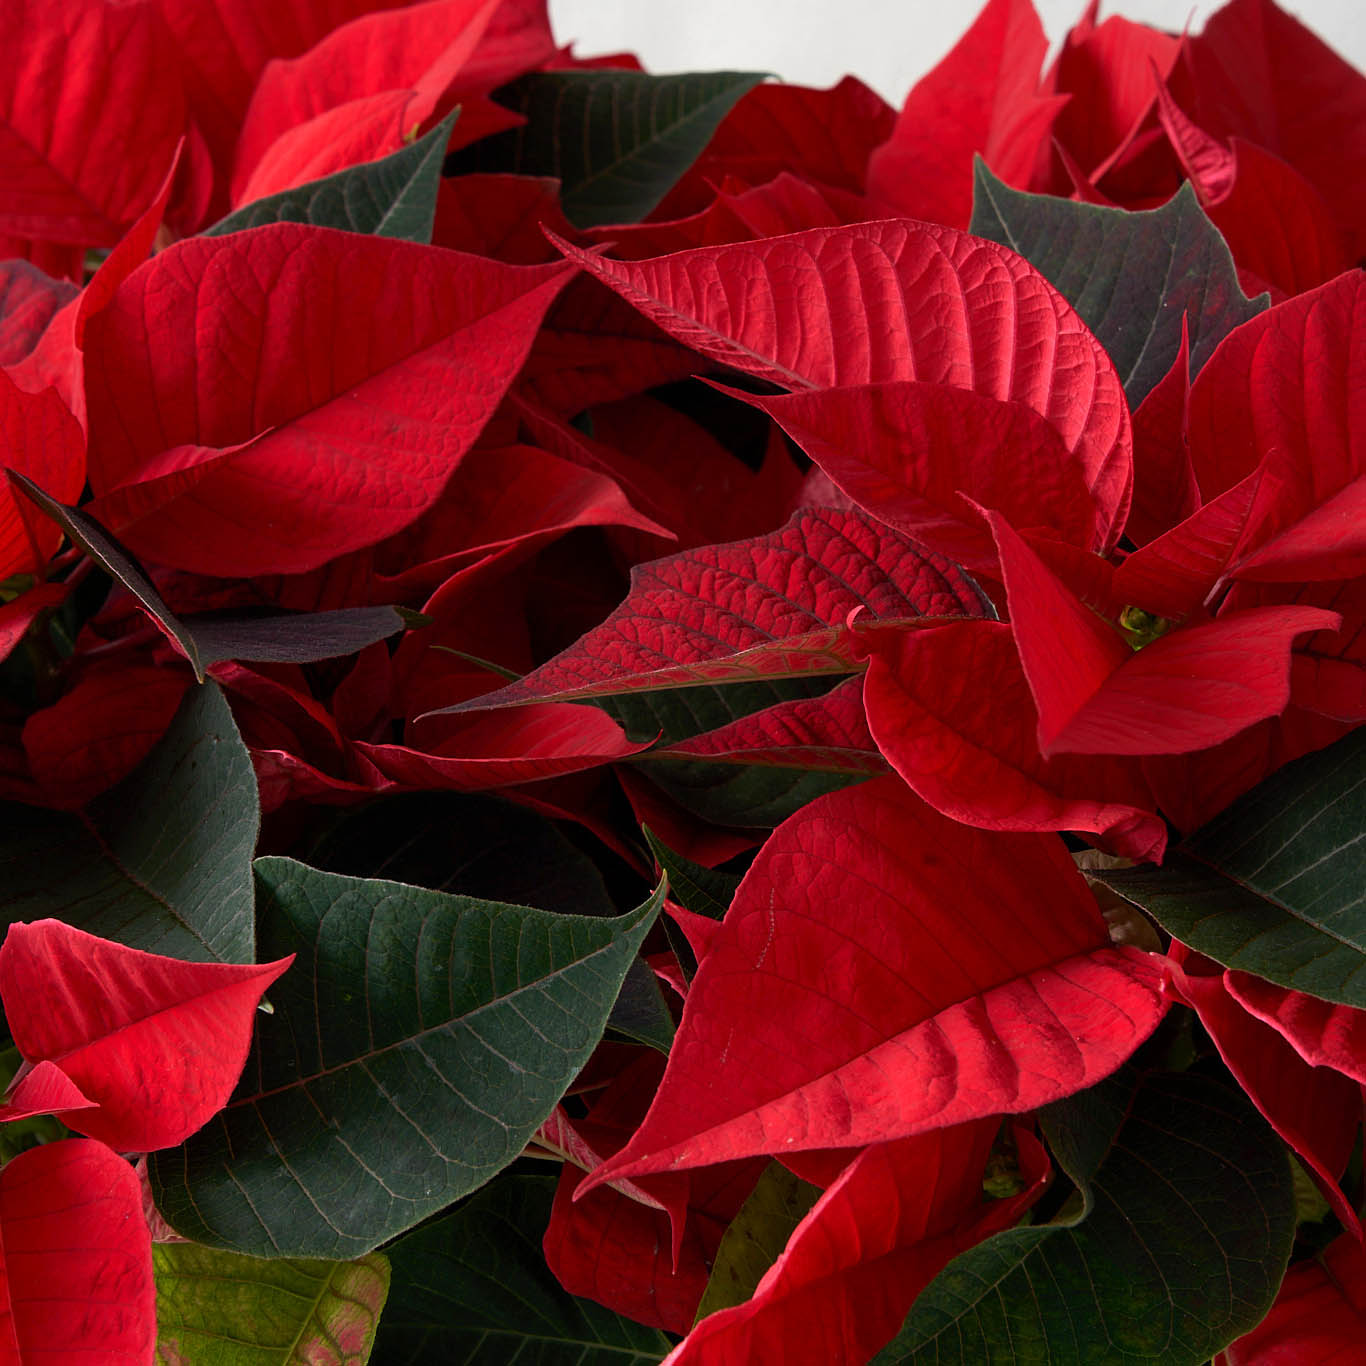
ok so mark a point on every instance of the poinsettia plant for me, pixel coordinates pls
(678, 717)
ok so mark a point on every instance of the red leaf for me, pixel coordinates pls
(1323, 1034)
(952, 712)
(846, 1280)
(322, 467)
(778, 602)
(1319, 1318)
(1291, 382)
(898, 300)
(1165, 491)
(77, 1258)
(17, 616)
(42, 440)
(499, 216)
(390, 50)
(157, 1043)
(1185, 691)
(1261, 75)
(98, 732)
(983, 97)
(29, 300)
(906, 452)
(91, 111)
(882, 972)
(42, 1090)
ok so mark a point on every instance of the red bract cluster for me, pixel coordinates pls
(799, 662)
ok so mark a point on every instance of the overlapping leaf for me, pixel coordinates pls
(898, 300)
(616, 140)
(420, 1042)
(476, 1282)
(190, 435)
(161, 864)
(219, 1308)
(392, 197)
(1133, 277)
(1273, 886)
(938, 991)
(1168, 1268)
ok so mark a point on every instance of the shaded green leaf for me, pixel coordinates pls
(160, 863)
(756, 1237)
(1273, 885)
(707, 891)
(748, 795)
(290, 637)
(417, 1044)
(1179, 1248)
(218, 1308)
(473, 1289)
(617, 140)
(1131, 276)
(392, 197)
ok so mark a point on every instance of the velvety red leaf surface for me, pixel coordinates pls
(77, 1262)
(1291, 382)
(882, 972)
(91, 111)
(951, 710)
(982, 98)
(269, 445)
(847, 1278)
(716, 602)
(1323, 1034)
(156, 1042)
(44, 441)
(897, 300)
(1319, 1318)
(42, 1090)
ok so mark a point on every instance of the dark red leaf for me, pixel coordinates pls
(269, 445)
(1165, 491)
(77, 1260)
(882, 972)
(157, 1043)
(29, 299)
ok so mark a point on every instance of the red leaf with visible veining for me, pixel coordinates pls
(500, 216)
(884, 971)
(1323, 1034)
(773, 605)
(898, 300)
(285, 362)
(91, 111)
(1292, 382)
(157, 1043)
(982, 98)
(951, 710)
(40, 438)
(29, 299)
(1315, 1109)
(1165, 491)
(42, 1090)
(882, 1231)
(76, 1266)
(1319, 1318)
(910, 453)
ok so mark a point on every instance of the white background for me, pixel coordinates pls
(887, 43)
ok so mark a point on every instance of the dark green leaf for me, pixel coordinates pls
(473, 1289)
(416, 1045)
(1179, 1248)
(707, 891)
(1131, 276)
(290, 637)
(392, 197)
(756, 1237)
(217, 1308)
(617, 140)
(640, 1012)
(1273, 885)
(160, 863)
(747, 795)
(92, 538)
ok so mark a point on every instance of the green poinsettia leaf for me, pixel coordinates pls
(1273, 885)
(392, 197)
(162, 862)
(473, 1289)
(1131, 276)
(217, 1308)
(418, 1042)
(616, 140)
(1178, 1245)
